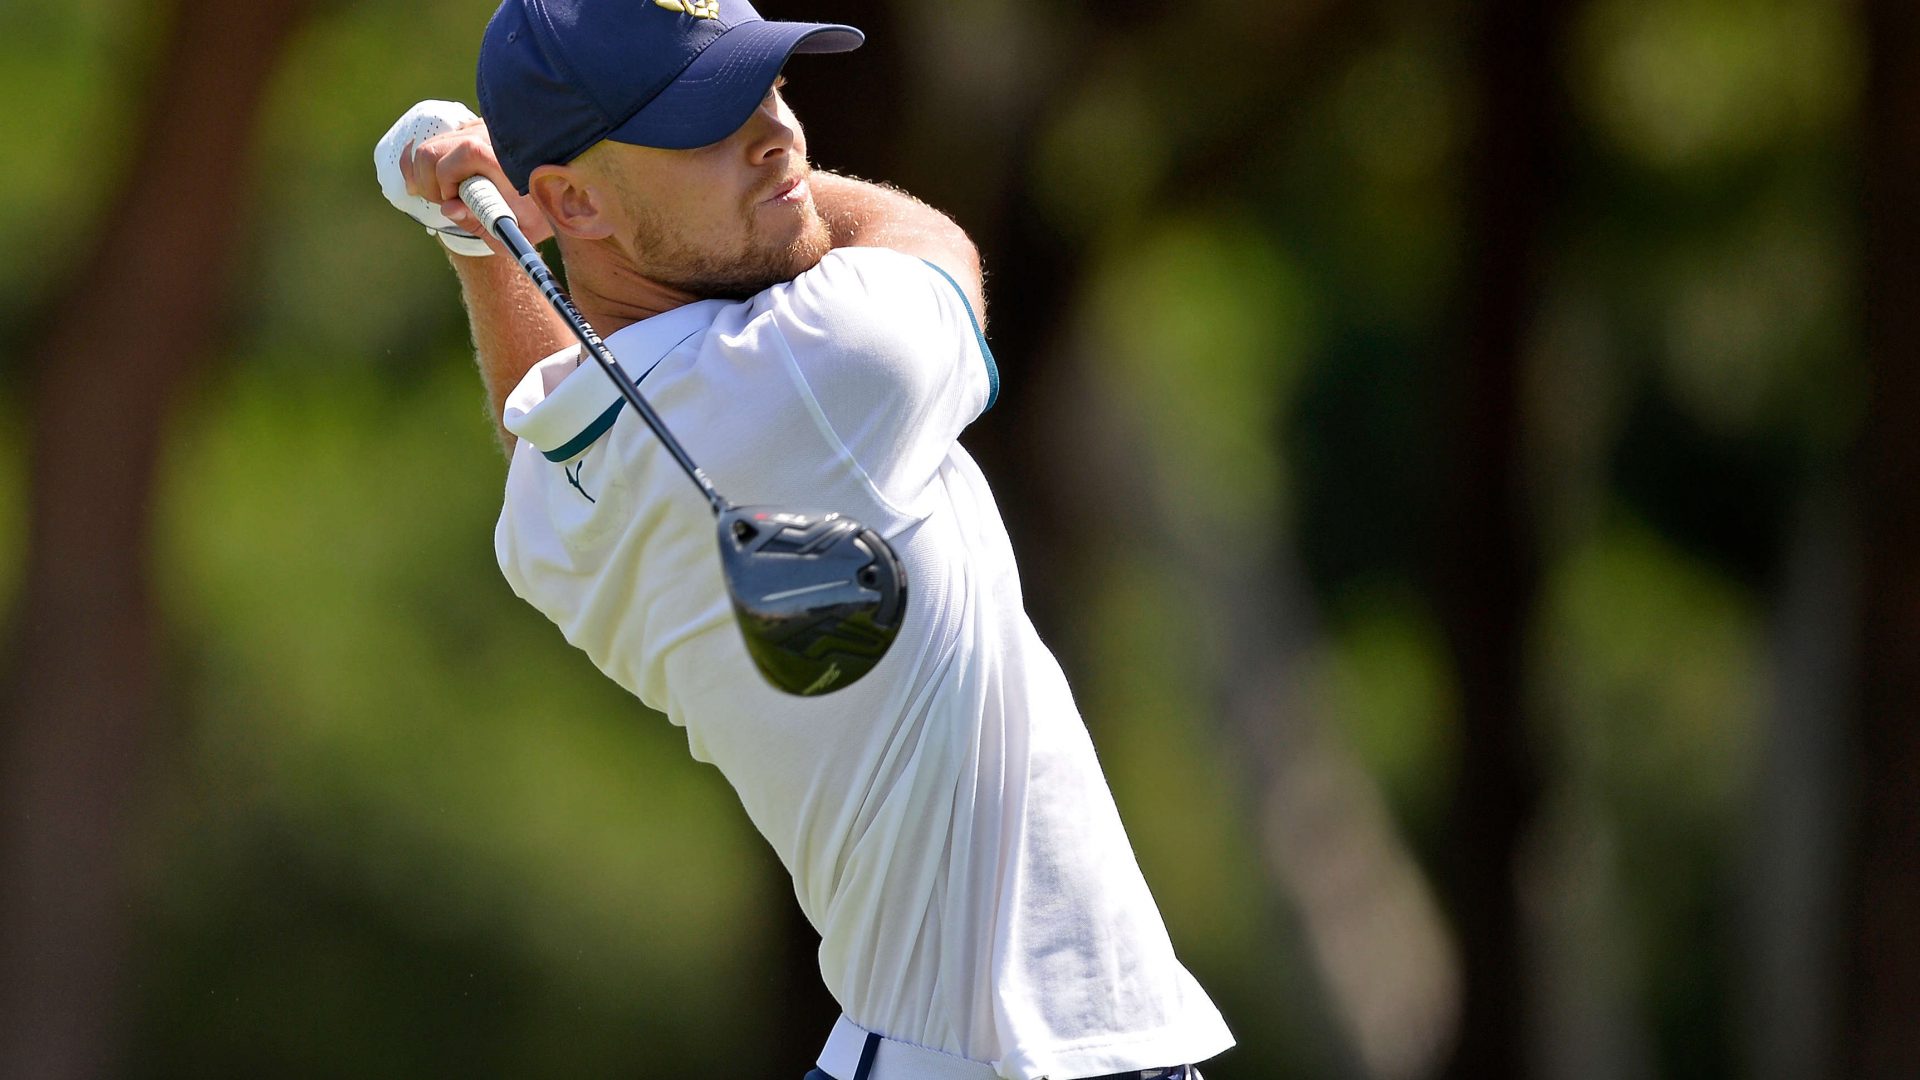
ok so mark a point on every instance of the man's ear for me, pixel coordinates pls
(573, 200)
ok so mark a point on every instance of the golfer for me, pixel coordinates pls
(816, 342)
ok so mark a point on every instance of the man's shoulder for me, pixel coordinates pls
(868, 274)
(874, 295)
(880, 259)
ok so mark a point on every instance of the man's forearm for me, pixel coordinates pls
(860, 213)
(863, 214)
(513, 328)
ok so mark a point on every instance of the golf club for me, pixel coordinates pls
(818, 596)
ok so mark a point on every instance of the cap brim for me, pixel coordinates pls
(720, 89)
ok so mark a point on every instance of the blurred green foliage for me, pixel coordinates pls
(382, 740)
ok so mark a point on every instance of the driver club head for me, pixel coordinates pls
(819, 597)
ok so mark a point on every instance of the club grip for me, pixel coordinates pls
(486, 203)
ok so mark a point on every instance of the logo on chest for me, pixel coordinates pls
(573, 477)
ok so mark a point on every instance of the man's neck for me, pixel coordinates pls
(612, 295)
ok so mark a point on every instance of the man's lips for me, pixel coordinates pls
(788, 193)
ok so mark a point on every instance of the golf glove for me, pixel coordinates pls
(422, 122)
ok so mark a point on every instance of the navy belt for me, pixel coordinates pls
(853, 1053)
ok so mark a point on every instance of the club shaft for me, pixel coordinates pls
(508, 230)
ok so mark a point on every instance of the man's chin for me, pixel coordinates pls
(812, 245)
(745, 279)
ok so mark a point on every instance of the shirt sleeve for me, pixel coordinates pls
(893, 355)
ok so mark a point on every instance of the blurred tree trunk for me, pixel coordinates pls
(1036, 267)
(1882, 1003)
(1788, 898)
(80, 706)
(1487, 574)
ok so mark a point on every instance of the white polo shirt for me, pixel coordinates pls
(947, 826)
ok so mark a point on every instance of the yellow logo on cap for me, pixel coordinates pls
(699, 9)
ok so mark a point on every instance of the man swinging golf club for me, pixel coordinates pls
(814, 341)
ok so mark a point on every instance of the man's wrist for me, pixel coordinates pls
(462, 244)
(486, 278)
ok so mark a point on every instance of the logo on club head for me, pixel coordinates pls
(699, 9)
(827, 678)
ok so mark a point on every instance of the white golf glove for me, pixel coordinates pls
(423, 121)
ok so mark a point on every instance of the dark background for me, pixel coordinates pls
(1462, 453)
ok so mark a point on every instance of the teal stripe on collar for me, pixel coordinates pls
(580, 442)
(993, 369)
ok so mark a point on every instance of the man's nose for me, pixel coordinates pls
(776, 137)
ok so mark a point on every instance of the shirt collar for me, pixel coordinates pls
(561, 409)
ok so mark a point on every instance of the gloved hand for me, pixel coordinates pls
(418, 124)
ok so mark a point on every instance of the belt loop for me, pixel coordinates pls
(866, 1056)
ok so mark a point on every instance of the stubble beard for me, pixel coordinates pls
(761, 261)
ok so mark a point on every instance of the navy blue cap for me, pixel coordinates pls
(557, 76)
